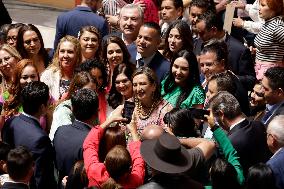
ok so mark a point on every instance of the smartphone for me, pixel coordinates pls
(128, 110)
(199, 113)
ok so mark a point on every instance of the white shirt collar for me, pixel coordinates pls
(276, 152)
(30, 116)
(146, 60)
(232, 126)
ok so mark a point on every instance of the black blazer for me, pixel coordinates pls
(239, 59)
(68, 143)
(241, 94)
(12, 185)
(160, 65)
(249, 140)
(25, 131)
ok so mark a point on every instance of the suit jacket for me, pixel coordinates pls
(70, 23)
(278, 111)
(249, 139)
(25, 131)
(276, 163)
(160, 65)
(241, 94)
(239, 59)
(68, 143)
(12, 185)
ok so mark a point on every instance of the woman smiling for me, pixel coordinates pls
(114, 53)
(30, 45)
(90, 41)
(182, 87)
(121, 89)
(61, 71)
(150, 108)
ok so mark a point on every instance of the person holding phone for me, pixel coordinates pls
(181, 87)
(150, 107)
(118, 169)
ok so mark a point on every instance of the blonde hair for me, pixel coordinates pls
(55, 65)
(11, 50)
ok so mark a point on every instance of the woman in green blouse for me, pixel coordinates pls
(181, 87)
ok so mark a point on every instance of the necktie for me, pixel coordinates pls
(140, 62)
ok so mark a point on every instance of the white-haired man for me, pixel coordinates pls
(275, 141)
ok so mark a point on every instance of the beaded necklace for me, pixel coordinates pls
(145, 114)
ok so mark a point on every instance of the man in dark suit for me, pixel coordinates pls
(25, 130)
(20, 167)
(70, 23)
(273, 90)
(68, 139)
(210, 27)
(247, 137)
(130, 20)
(275, 141)
(213, 59)
(148, 55)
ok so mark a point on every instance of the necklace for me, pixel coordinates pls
(145, 114)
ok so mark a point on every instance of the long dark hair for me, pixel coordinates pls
(191, 81)
(20, 43)
(181, 122)
(115, 98)
(121, 44)
(88, 65)
(185, 34)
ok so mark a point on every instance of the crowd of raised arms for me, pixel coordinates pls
(149, 94)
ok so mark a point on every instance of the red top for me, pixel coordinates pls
(96, 171)
(151, 11)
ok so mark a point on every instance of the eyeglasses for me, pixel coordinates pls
(13, 38)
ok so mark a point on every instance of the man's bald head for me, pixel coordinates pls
(152, 132)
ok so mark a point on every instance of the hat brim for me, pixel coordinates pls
(179, 164)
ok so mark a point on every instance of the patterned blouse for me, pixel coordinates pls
(155, 118)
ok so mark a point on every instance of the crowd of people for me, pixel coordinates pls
(208, 104)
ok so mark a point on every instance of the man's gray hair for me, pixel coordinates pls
(133, 6)
(276, 128)
(227, 103)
